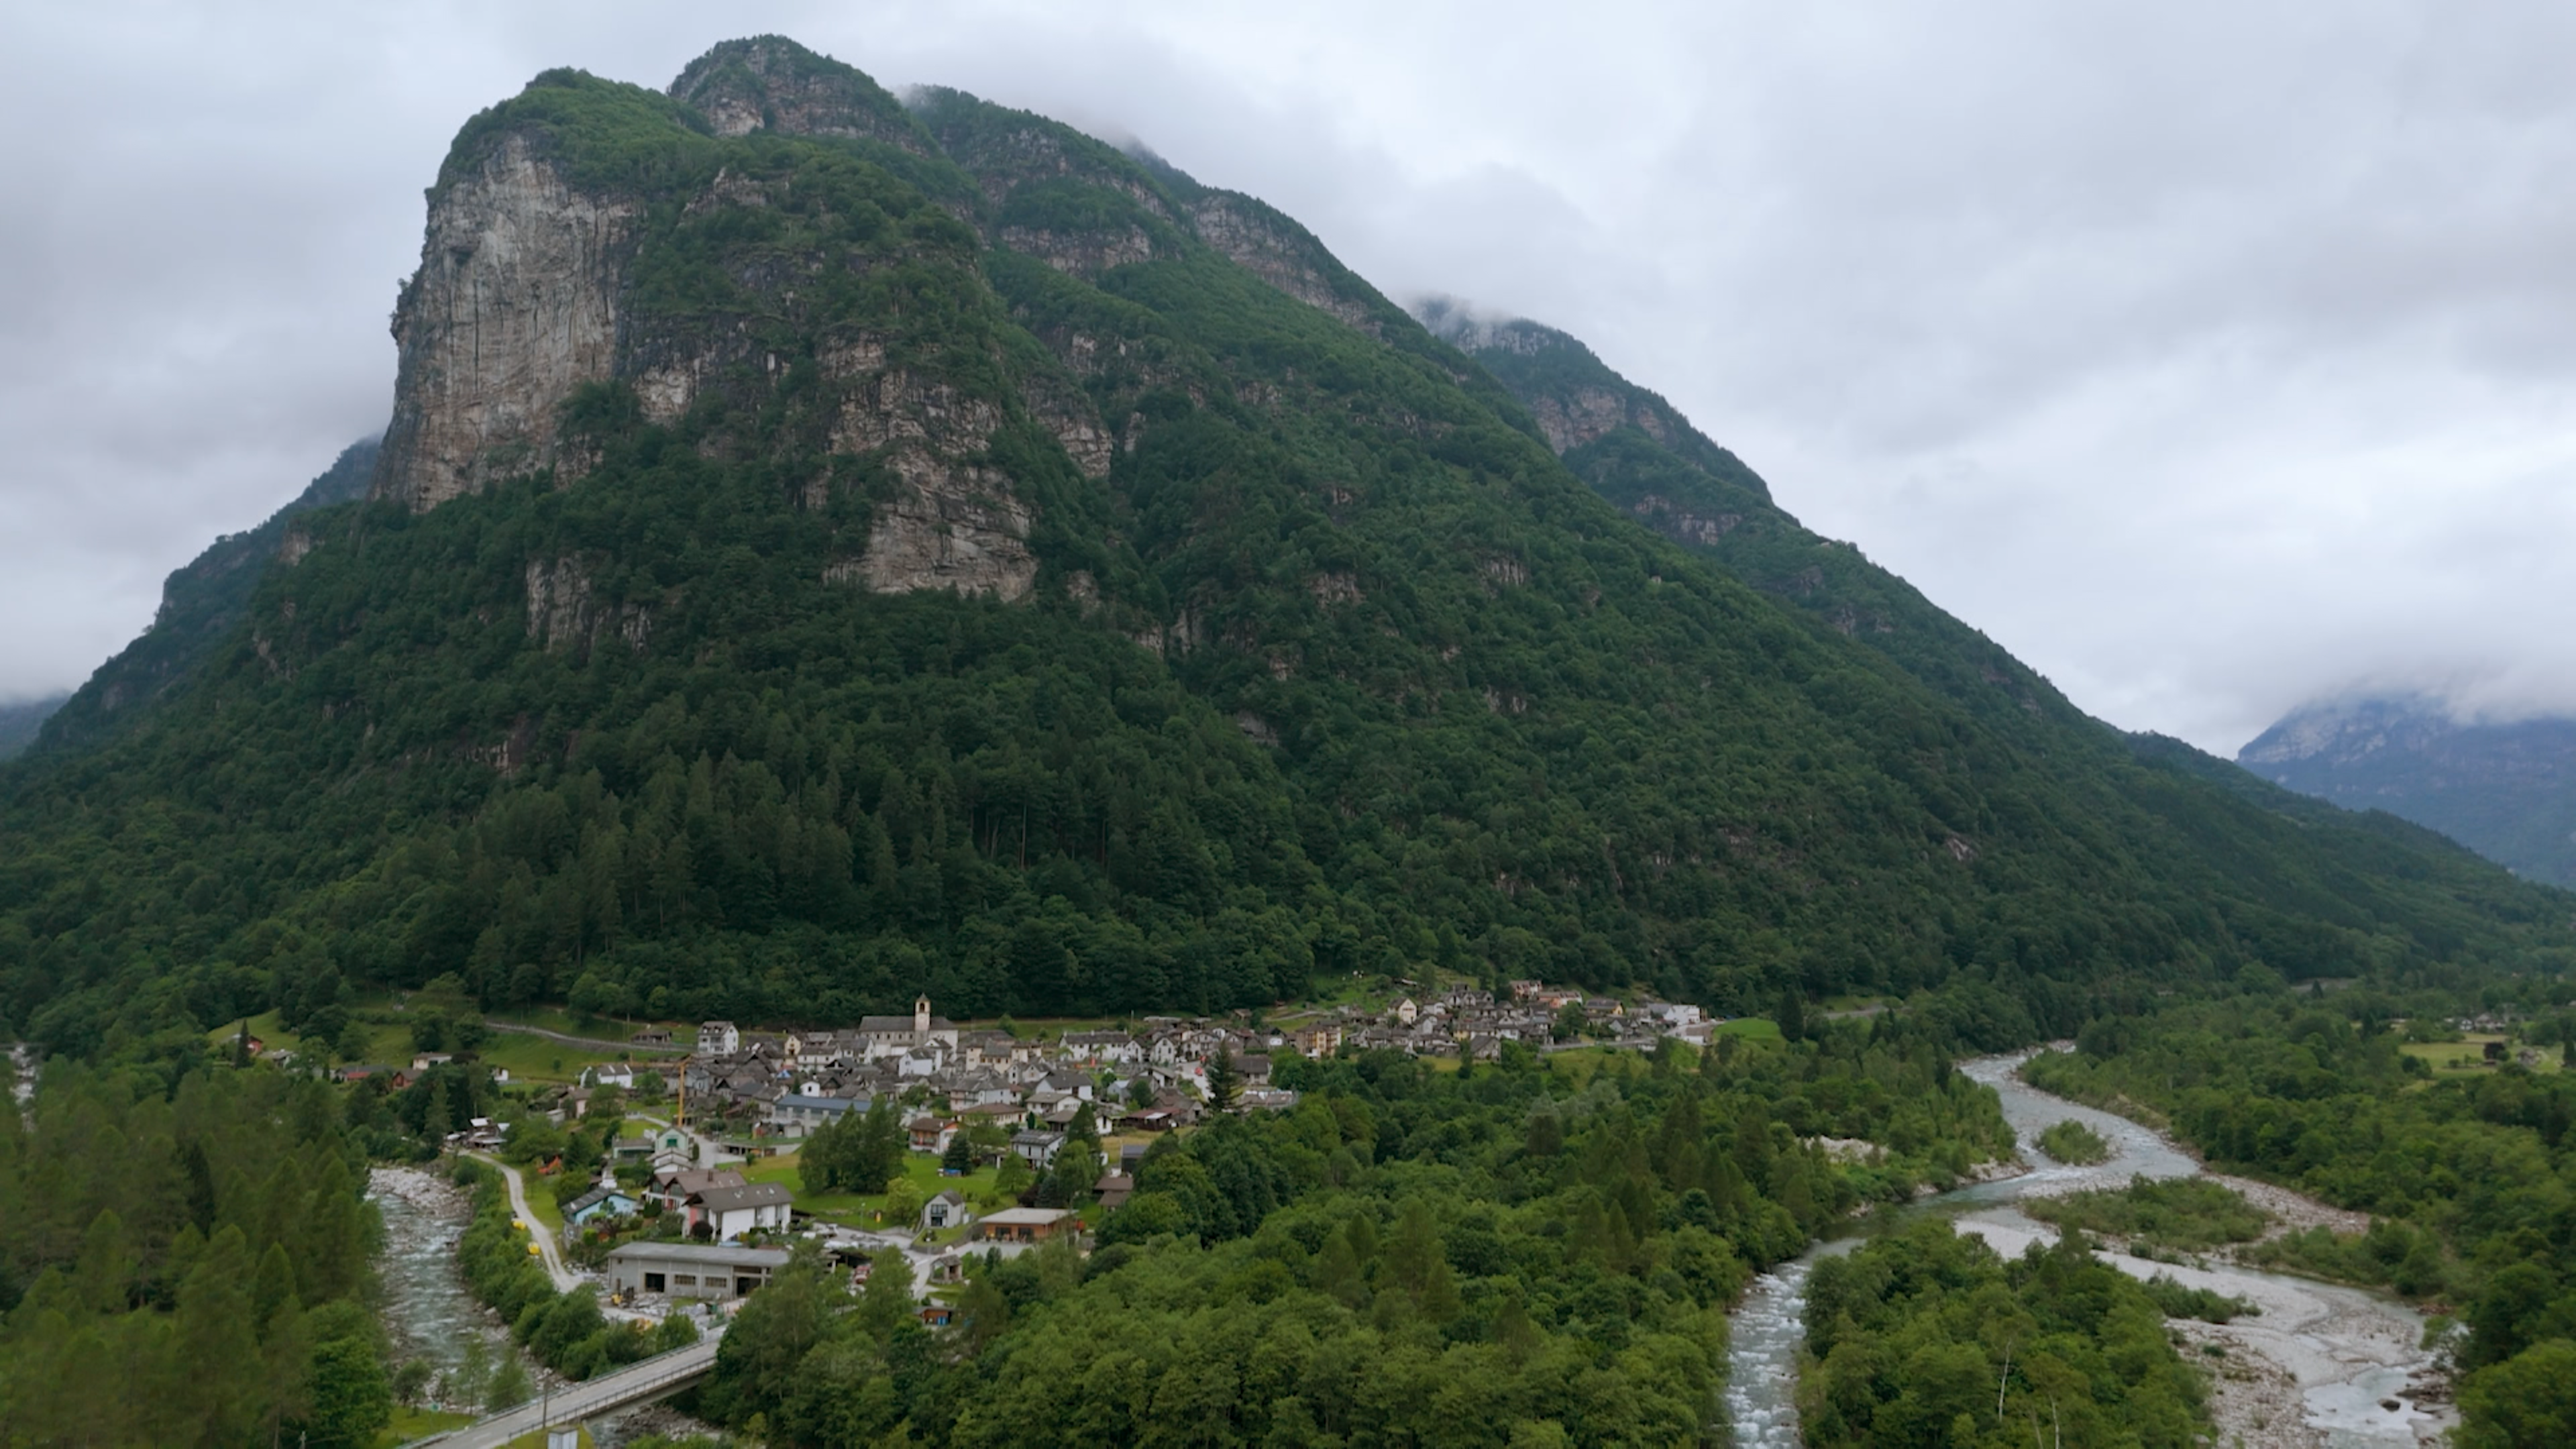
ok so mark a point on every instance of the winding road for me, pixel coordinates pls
(565, 1279)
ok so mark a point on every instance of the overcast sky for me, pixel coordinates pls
(2211, 357)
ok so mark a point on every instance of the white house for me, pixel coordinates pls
(609, 1074)
(1038, 1149)
(718, 1038)
(948, 1210)
(734, 1211)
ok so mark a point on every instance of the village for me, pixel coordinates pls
(702, 1207)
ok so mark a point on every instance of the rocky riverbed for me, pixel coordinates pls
(2322, 1366)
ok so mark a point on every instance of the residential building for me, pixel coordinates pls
(673, 1186)
(1113, 1189)
(1027, 1225)
(1038, 1149)
(931, 1132)
(796, 1114)
(601, 1202)
(731, 1212)
(718, 1038)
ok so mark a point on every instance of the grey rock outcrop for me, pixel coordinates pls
(770, 83)
(515, 306)
(1279, 252)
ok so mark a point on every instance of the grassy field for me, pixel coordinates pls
(2468, 1055)
(541, 1198)
(538, 1059)
(861, 1210)
(527, 1058)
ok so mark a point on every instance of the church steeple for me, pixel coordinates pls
(921, 1017)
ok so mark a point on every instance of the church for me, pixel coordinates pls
(892, 1036)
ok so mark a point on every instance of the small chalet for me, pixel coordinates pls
(1113, 1189)
(601, 1202)
(1027, 1225)
(948, 1210)
(673, 1186)
(930, 1132)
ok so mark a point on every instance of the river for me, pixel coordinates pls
(2313, 1371)
(428, 1309)
(431, 1314)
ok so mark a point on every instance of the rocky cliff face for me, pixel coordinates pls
(768, 83)
(515, 306)
(1280, 253)
(529, 290)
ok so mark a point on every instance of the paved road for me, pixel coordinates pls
(592, 1042)
(635, 1384)
(565, 1278)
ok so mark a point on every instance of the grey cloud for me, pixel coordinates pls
(2208, 356)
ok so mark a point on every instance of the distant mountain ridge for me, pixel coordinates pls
(19, 722)
(200, 603)
(2506, 791)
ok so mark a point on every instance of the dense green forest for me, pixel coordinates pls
(1927, 1337)
(2470, 1182)
(184, 1262)
(1510, 1255)
(1409, 693)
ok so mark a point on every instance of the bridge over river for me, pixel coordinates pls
(638, 1383)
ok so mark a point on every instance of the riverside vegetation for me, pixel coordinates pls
(1294, 641)
(2467, 1181)
(2074, 1143)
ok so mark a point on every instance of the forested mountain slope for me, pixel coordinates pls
(853, 549)
(1640, 453)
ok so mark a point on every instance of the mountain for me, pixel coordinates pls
(2506, 791)
(1642, 455)
(829, 547)
(200, 605)
(19, 722)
